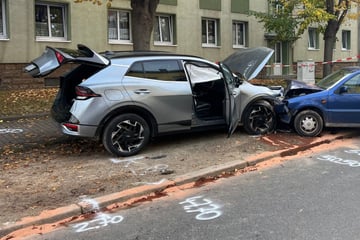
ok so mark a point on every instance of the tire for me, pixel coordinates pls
(259, 118)
(126, 135)
(308, 123)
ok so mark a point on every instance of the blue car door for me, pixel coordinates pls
(344, 103)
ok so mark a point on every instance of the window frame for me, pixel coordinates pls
(118, 27)
(64, 8)
(235, 38)
(345, 40)
(170, 26)
(313, 39)
(3, 33)
(216, 36)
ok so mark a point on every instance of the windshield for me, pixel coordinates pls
(333, 78)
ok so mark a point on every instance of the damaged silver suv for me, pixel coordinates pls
(127, 98)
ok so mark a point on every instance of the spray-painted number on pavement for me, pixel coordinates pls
(10, 130)
(206, 209)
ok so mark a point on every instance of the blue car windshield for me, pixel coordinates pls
(333, 78)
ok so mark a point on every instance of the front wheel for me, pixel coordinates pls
(259, 118)
(308, 123)
(126, 135)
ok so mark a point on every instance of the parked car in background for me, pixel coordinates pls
(126, 98)
(332, 102)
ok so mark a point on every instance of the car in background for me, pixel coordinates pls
(334, 101)
(127, 98)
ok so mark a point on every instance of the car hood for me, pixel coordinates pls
(296, 88)
(248, 62)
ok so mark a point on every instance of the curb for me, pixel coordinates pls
(51, 216)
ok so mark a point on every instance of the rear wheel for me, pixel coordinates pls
(126, 135)
(308, 123)
(259, 118)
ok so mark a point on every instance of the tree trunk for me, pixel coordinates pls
(142, 21)
(340, 12)
(329, 40)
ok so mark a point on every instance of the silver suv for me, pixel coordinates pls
(127, 98)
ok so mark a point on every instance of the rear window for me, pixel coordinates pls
(165, 70)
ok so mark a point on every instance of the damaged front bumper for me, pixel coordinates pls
(283, 112)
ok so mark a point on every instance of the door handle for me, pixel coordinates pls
(142, 91)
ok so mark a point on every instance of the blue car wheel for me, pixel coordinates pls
(308, 123)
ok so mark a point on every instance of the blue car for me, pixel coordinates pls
(332, 102)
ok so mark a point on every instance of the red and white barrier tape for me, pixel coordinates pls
(315, 63)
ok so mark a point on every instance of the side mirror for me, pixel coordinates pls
(238, 81)
(343, 89)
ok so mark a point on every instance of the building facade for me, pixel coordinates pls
(212, 29)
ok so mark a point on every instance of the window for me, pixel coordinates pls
(278, 53)
(166, 70)
(239, 34)
(353, 85)
(163, 29)
(119, 26)
(345, 40)
(50, 21)
(313, 38)
(201, 73)
(209, 32)
(276, 6)
(3, 33)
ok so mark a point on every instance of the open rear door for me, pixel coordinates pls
(53, 58)
(232, 99)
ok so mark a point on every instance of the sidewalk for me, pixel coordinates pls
(39, 128)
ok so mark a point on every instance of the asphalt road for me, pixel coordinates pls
(311, 197)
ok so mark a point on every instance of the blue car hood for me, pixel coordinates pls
(297, 88)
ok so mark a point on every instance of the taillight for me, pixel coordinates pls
(83, 93)
(71, 127)
(59, 57)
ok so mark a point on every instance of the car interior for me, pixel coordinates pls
(208, 90)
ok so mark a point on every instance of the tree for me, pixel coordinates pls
(339, 10)
(142, 20)
(143, 16)
(295, 16)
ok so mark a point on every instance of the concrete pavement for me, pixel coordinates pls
(30, 129)
(42, 128)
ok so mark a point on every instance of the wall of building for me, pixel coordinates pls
(88, 25)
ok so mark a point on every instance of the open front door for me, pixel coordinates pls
(232, 99)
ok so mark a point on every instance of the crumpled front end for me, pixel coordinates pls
(283, 112)
(297, 88)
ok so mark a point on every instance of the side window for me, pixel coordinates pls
(200, 72)
(136, 70)
(165, 70)
(353, 85)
